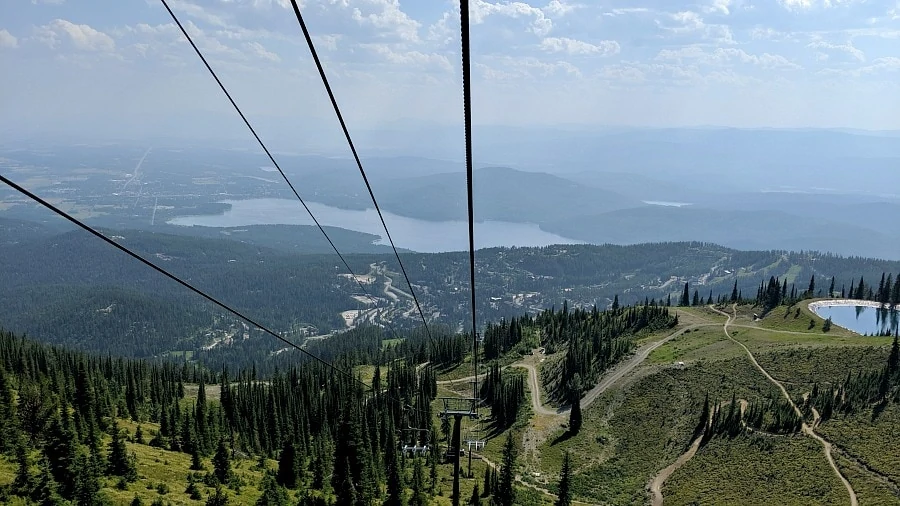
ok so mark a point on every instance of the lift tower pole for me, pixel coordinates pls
(457, 407)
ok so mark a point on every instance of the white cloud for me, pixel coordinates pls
(328, 42)
(578, 47)
(724, 56)
(83, 37)
(391, 18)
(878, 65)
(797, 5)
(540, 25)
(622, 72)
(720, 6)
(844, 48)
(627, 10)
(441, 31)
(767, 33)
(8, 40)
(259, 50)
(557, 8)
(415, 58)
(506, 68)
(197, 12)
(690, 21)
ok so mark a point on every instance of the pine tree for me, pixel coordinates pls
(488, 481)
(811, 291)
(139, 436)
(23, 483)
(45, 492)
(505, 494)
(273, 494)
(120, 463)
(696, 300)
(475, 499)
(86, 481)
(394, 472)
(342, 482)
(686, 296)
(289, 465)
(704, 417)
(218, 497)
(196, 460)
(831, 288)
(60, 452)
(734, 292)
(563, 495)
(200, 420)
(894, 358)
(8, 413)
(222, 463)
(419, 498)
(433, 475)
(575, 419)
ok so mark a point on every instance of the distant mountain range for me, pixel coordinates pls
(795, 189)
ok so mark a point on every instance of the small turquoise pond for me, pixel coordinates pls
(862, 319)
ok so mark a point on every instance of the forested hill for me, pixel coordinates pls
(65, 412)
(72, 289)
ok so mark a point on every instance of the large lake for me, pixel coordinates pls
(862, 319)
(417, 235)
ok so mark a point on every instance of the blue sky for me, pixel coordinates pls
(121, 66)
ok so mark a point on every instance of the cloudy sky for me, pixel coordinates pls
(109, 66)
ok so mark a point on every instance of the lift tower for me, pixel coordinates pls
(457, 407)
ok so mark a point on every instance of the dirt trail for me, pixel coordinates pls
(794, 332)
(805, 427)
(531, 485)
(619, 371)
(656, 484)
(656, 497)
(533, 385)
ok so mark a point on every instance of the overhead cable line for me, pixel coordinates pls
(467, 113)
(176, 279)
(340, 117)
(278, 167)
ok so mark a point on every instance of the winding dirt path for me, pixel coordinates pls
(656, 484)
(656, 497)
(806, 429)
(534, 386)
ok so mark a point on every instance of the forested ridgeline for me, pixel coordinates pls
(592, 341)
(776, 292)
(334, 441)
(73, 290)
(366, 344)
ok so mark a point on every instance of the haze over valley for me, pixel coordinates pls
(770, 189)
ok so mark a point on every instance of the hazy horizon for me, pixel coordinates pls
(125, 70)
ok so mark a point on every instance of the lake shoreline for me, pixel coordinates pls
(813, 306)
(838, 318)
(413, 234)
